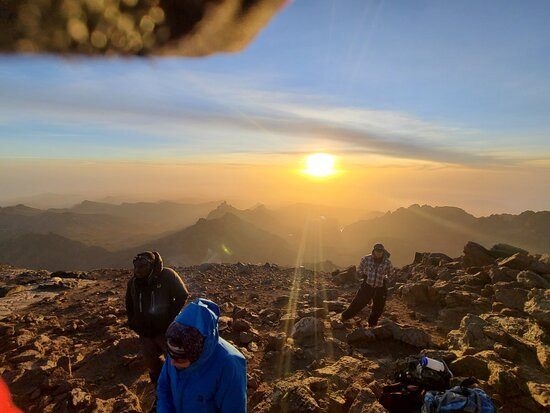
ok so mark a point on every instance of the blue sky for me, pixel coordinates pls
(450, 83)
(475, 73)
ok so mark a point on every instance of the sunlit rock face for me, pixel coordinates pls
(132, 27)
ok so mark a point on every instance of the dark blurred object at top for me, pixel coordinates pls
(132, 27)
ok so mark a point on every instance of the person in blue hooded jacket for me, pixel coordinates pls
(203, 373)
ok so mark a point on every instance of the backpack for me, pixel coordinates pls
(456, 400)
(401, 398)
(410, 371)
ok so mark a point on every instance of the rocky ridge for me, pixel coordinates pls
(65, 346)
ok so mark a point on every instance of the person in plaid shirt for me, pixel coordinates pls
(375, 269)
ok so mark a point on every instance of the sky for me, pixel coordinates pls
(438, 102)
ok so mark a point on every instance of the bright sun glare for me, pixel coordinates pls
(320, 164)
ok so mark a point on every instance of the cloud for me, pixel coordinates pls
(217, 112)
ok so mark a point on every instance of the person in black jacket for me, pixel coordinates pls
(154, 297)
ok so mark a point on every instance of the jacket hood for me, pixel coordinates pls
(157, 263)
(203, 315)
(386, 255)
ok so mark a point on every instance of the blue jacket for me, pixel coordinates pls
(216, 382)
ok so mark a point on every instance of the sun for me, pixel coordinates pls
(319, 164)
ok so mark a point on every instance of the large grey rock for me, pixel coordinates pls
(419, 293)
(538, 306)
(468, 366)
(518, 261)
(511, 297)
(543, 356)
(530, 279)
(410, 335)
(540, 393)
(361, 337)
(501, 274)
(505, 250)
(347, 276)
(476, 255)
(470, 335)
(307, 327)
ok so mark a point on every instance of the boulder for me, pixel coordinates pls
(475, 255)
(246, 337)
(241, 324)
(511, 297)
(470, 366)
(418, 293)
(307, 327)
(282, 300)
(431, 258)
(540, 266)
(361, 337)
(470, 335)
(543, 355)
(336, 306)
(413, 336)
(275, 341)
(24, 356)
(64, 362)
(459, 299)
(243, 268)
(410, 335)
(326, 295)
(129, 345)
(383, 332)
(501, 274)
(518, 261)
(538, 307)
(80, 398)
(126, 401)
(505, 250)
(540, 393)
(505, 380)
(337, 324)
(348, 276)
(10, 289)
(298, 399)
(530, 279)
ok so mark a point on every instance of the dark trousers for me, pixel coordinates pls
(151, 350)
(364, 296)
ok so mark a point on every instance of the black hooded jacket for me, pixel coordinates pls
(153, 303)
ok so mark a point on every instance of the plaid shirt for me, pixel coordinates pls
(374, 274)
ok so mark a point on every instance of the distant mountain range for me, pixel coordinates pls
(92, 234)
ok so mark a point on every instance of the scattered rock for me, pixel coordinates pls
(538, 307)
(241, 325)
(79, 398)
(307, 327)
(275, 341)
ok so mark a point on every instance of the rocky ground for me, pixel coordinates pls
(65, 346)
